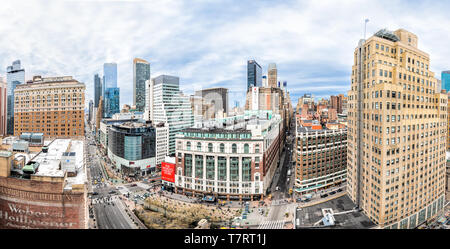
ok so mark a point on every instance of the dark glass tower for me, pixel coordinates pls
(254, 74)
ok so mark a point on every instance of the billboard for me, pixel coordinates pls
(168, 172)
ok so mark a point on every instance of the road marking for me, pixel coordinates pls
(272, 224)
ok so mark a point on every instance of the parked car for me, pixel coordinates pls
(332, 192)
(323, 195)
(339, 190)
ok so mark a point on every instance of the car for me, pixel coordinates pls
(94, 193)
(306, 200)
(332, 192)
(323, 195)
(298, 200)
(112, 192)
(339, 190)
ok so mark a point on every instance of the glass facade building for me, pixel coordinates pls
(445, 78)
(132, 143)
(112, 102)
(254, 74)
(141, 73)
(110, 75)
(15, 75)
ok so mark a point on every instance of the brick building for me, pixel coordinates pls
(53, 106)
(45, 192)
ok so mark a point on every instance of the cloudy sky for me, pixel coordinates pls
(207, 42)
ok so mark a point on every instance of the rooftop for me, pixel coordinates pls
(352, 220)
(50, 161)
(388, 35)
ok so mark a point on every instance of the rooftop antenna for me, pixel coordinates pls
(365, 25)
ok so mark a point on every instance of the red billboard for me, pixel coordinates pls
(168, 172)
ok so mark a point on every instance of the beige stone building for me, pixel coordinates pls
(53, 106)
(397, 128)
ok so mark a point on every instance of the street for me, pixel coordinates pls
(106, 207)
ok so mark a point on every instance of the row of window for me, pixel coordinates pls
(210, 147)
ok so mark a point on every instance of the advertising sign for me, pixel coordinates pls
(168, 172)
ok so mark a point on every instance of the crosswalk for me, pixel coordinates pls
(272, 224)
(104, 200)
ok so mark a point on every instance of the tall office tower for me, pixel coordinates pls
(3, 105)
(214, 100)
(15, 75)
(170, 107)
(254, 74)
(97, 89)
(141, 73)
(445, 78)
(111, 102)
(396, 132)
(91, 110)
(53, 106)
(264, 81)
(109, 75)
(272, 75)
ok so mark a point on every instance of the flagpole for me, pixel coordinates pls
(365, 25)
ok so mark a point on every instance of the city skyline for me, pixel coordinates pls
(191, 48)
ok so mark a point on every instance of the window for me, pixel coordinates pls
(188, 146)
(222, 148)
(199, 146)
(257, 148)
(246, 148)
(234, 148)
(210, 147)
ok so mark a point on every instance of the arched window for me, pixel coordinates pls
(222, 148)
(246, 148)
(210, 147)
(199, 146)
(188, 146)
(234, 148)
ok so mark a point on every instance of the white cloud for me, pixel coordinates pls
(208, 42)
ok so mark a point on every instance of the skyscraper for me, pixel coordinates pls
(272, 75)
(141, 73)
(396, 132)
(15, 75)
(110, 75)
(169, 106)
(91, 110)
(3, 105)
(445, 78)
(111, 92)
(254, 74)
(97, 89)
(112, 102)
(214, 101)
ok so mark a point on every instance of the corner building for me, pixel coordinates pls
(236, 161)
(53, 106)
(397, 122)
